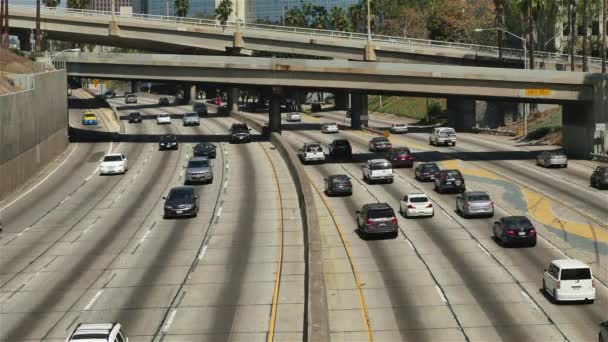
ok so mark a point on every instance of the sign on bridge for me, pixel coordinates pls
(538, 92)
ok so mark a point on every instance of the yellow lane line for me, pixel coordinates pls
(277, 282)
(364, 310)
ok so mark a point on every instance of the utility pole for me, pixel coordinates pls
(603, 36)
(1, 23)
(167, 8)
(6, 29)
(37, 34)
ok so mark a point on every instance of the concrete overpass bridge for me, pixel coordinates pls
(201, 36)
(582, 95)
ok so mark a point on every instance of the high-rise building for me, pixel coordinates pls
(274, 10)
(106, 5)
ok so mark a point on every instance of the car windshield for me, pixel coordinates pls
(89, 116)
(381, 166)
(239, 129)
(163, 115)
(401, 152)
(452, 174)
(204, 147)
(576, 274)
(313, 148)
(89, 337)
(112, 158)
(430, 168)
(380, 140)
(475, 198)
(191, 115)
(181, 195)
(516, 221)
(135, 114)
(380, 213)
(195, 164)
(398, 125)
(447, 132)
(418, 199)
(130, 95)
(341, 143)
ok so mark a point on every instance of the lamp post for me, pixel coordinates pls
(369, 23)
(50, 59)
(524, 44)
(552, 38)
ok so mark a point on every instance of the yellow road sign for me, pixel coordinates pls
(386, 133)
(96, 82)
(538, 92)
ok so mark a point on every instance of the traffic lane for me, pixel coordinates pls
(586, 317)
(452, 251)
(90, 245)
(579, 322)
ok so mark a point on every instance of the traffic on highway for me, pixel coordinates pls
(173, 222)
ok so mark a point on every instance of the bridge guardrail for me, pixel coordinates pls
(490, 51)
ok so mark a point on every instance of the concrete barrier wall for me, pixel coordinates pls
(33, 129)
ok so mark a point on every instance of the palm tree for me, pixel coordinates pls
(51, 3)
(499, 12)
(181, 7)
(585, 9)
(572, 9)
(356, 15)
(530, 11)
(295, 17)
(223, 11)
(338, 19)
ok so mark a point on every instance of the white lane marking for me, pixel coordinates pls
(42, 181)
(227, 166)
(202, 253)
(219, 212)
(529, 300)
(409, 243)
(225, 184)
(65, 199)
(118, 197)
(441, 295)
(169, 321)
(90, 226)
(93, 300)
(23, 231)
(144, 237)
(484, 250)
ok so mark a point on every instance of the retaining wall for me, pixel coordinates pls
(33, 128)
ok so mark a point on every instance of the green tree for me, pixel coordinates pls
(338, 19)
(357, 16)
(51, 3)
(181, 7)
(319, 18)
(295, 17)
(223, 11)
(530, 11)
(201, 15)
(79, 4)
(456, 21)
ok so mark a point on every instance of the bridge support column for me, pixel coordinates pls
(578, 126)
(341, 100)
(192, 93)
(358, 110)
(134, 86)
(187, 95)
(461, 113)
(274, 111)
(233, 99)
(24, 38)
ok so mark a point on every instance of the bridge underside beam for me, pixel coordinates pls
(358, 108)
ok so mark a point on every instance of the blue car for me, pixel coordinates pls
(89, 118)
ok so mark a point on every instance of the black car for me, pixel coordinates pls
(135, 117)
(204, 150)
(181, 201)
(449, 180)
(599, 177)
(168, 142)
(377, 219)
(400, 157)
(110, 93)
(426, 171)
(514, 230)
(338, 185)
(163, 101)
(340, 149)
(239, 132)
(379, 144)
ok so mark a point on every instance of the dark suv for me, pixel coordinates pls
(599, 177)
(340, 149)
(134, 117)
(239, 132)
(426, 171)
(204, 150)
(449, 180)
(181, 201)
(338, 184)
(400, 157)
(168, 142)
(377, 218)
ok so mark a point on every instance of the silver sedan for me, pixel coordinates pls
(552, 158)
(474, 203)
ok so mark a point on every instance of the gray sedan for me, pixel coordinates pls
(474, 203)
(198, 170)
(552, 158)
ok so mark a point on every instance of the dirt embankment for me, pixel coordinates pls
(11, 63)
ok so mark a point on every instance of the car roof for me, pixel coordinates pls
(163, 114)
(198, 158)
(400, 148)
(113, 154)
(88, 112)
(374, 161)
(379, 138)
(104, 329)
(440, 128)
(377, 206)
(417, 194)
(182, 188)
(476, 193)
(134, 113)
(338, 176)
(312, 143)
(569, 263)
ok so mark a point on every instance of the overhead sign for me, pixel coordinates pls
(538, 92)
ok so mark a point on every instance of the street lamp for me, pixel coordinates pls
(369, 23)
(50, 59)
(524, 44)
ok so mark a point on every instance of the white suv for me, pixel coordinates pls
(311, 152)
(569, 280)
(378, 170)
(93, 332)
(443, 136)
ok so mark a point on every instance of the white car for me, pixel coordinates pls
(106, 332)
(329, 127)
(162, 119)
(311, 152)
(113, 163)
(293, 117)
(569, 280)
(443, 136)
(417, 204)
(398, 128)
(378, 170)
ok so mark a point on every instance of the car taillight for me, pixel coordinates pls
(468, 204)
(557, 284)
(394, 220)
(532, 231)
(593, 283)
(369, 222)
(510, 232)
(409, 206)
(430, 205)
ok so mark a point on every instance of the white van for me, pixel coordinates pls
(569, 280)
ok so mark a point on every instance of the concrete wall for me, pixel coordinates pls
(33, 128)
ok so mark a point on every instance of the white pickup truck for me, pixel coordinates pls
(378, 170)
(311, 152)
(443, 136)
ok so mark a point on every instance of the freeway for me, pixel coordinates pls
(445, 277)
(87, 248)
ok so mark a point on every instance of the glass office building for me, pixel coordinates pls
(159, 7)
(274, 10)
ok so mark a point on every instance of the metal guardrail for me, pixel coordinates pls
(490, 51)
